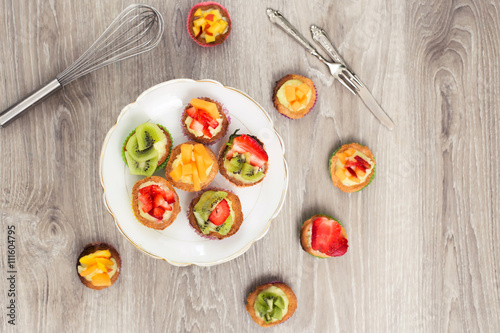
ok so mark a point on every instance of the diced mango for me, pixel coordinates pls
(186, 153)
(176, 173)
(200, 165)
(340, 173)
(197, 12)
(290, 94)
(210, 17)
(304, 88)
(217, 14)
(302, 101)
(349, 152)
(101, 280)
(296, 105)
(214, 28)
(187, 169)
(209, 39)
(199, 22)
(202, 151)
(223, 25)
(211, 108)
(342, 157)
(360, 172)
(89, 270)
(300, 94)
(196, 180)
(354, 179)
(196, 31)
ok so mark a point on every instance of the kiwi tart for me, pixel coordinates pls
(352, 167)
(243, 160)
(271, 304)
(147, 148)
(204, 121)
(192, 167)
(294, 96)
(323, 237)
(155, 202)
(216, 214)
(98, 266)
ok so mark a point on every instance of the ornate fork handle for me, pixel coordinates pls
(320, 36)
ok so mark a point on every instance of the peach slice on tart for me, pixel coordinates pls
(352, 167)
(294, 96)
(192, 167)
(204, 121)
(98, 265)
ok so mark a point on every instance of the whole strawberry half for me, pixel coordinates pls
(327, 237)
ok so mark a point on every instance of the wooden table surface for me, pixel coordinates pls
(423, 237)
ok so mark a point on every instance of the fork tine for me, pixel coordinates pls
(342, 79)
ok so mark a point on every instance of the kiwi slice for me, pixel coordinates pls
(250, 173)
(235, 165)
(224, 228)
(206, 204)
(270, 306)
(146, 168)
(147, 134)
(139, 155)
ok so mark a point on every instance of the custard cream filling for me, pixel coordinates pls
(282, 96)
(277, 291)
(184, 179)
(82, 267)
(148, 217)
(213, 131)
(347, 181)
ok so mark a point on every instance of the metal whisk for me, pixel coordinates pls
(137, 29)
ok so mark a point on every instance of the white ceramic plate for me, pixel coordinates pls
(179, 244)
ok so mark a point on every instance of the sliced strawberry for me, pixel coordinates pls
(145, 190)
(362, 168)
(246, 144)
(352, 172)
(206, 132)
(147, 202)
(192, 112)
(351, 164)
(158, 213)
(159, 201)
(327, 237)
(207, 120)
(220, 213)
(196, 126)
(170, 197)
(364, 163)
(155, 189)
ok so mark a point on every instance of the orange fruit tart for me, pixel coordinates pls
(192, 167)
(204, 121)
(352, 167)
(98, 265)
(208, 24)
(294, 96)
(271, 304)
(215, 214)
(155, 202)
(323, 237)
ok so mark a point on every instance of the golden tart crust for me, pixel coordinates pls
(304, 239)
(252, 297)
(91, 248)
(284, 110)
(203, 139)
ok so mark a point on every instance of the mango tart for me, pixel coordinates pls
(323, 237)
(208, 24)
(271, 304)
(204, 120)
(243, 160)
(215, 214)
(294, 96)
(155, 203)
(352, 167)
(98, 266)
(192, 167)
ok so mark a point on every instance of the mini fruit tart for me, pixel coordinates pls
(323, 237)
(208, 24)
(155, 202)
(294, 96)
(98, 265)
(146, 149)
(192, 167)
(352, 167)
(216, 214)
(243, 160)
(271, 304)
(204, 121)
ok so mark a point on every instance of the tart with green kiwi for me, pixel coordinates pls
(215, 214)
(324, 237)
(192, 167)
(204, 120)
(98, 266)
(155, 202)
(352, 167)
(294, 96)
(243, 161)
(147, 148)
(271, 304)
(208, 24)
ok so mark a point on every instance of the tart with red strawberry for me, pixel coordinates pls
(243, 161)
(204, 121)
(352, 167)
(98, 265)
(216, 214)
(155, 202)
(323, 237)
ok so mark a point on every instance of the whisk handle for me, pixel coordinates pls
(36, 96)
